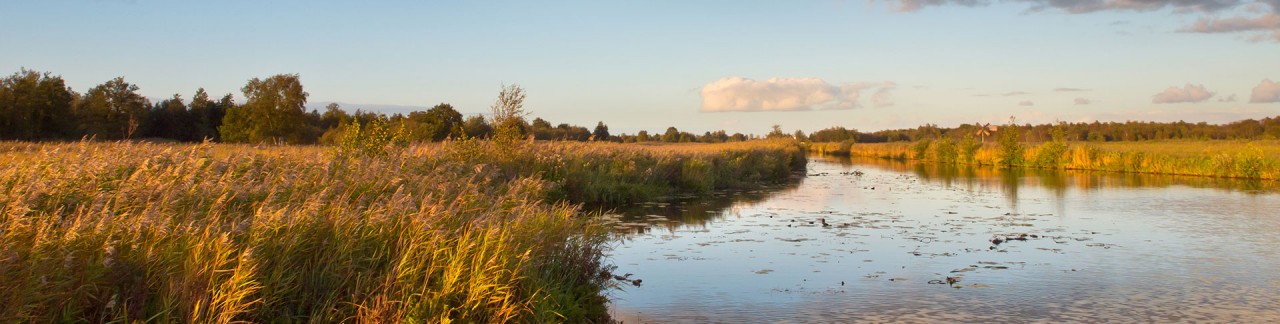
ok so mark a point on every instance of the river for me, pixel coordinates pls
(907, 242)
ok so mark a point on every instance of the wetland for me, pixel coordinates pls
(882, 240)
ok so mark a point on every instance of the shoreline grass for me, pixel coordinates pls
(1256, 159)
(101, 232)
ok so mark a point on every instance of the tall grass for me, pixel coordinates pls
(109, 232)
(1227, 159)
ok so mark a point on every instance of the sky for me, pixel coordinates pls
(740, 66)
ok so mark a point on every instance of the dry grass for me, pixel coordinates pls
(108, 232)
(1226, 159)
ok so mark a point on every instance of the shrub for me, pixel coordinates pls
(373, 139)
(921, 149)
(1010, 146)
(944, 151)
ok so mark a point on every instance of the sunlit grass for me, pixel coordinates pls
(435, 233)
(1228, 159)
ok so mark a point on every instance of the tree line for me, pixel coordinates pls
(1248, 129)
(40, 106)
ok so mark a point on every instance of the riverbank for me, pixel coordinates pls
(462, 231)
(1258, 159)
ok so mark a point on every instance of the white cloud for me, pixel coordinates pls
(1083, 101)
(788, 94)
(1266, 92)
(1235, 24)
(1189, 93)
(1265, 27)
(1026, 103)
(1230, 98)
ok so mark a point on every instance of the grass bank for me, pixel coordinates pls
(463, 231)
(1259, 159)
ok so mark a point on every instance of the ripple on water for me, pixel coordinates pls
(1065, 254)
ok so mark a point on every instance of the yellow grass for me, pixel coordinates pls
(99, 232)
(1259, 159)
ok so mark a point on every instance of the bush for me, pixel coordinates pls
(1010, 147)
(945, 151)
(921, 149)
(1049, 155)
(969, 149)
(374, 139)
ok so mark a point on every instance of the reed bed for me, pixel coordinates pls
(1225, 159)
(462, 231)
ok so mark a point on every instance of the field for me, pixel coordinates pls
(463, 231)
(1257, 159)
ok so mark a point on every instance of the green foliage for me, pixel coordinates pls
(476, 127)
(35, 106)
(1252, 163)
(1050, 154)
(465, 149)
(373, 139)
(436, 124)
(672, 135)
(945, 151)
(601, 132)
(113, 110)
(508, 118)
(1009, 146)
(921, 149)
(777, 133)
(274, 112)
(969, 149)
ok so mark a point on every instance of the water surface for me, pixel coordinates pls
(1078, 246)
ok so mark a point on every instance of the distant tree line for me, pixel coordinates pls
(40, 106)
(1266, 128)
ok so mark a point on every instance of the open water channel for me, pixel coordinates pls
(1017, 245)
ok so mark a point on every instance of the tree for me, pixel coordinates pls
(274, 111)
(170, 119)
(542, 130)
(476, 127)
(439, 122)
(508, 119)
(35, 106)
(602, 132)
(207, 114)
(334, 116)
(1010, 146)
(777, 133)
(113, 110)
(672, 135)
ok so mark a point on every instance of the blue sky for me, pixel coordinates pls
(697, 65)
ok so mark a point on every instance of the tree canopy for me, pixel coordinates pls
(35, 106)
(113, 110)
(274, 111)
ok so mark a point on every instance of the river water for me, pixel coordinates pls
(1072, 246)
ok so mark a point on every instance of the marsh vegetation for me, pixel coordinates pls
(456, 231)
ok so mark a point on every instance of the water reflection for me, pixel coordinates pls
(1098, 247)
(1058, 181)
(671, 213)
